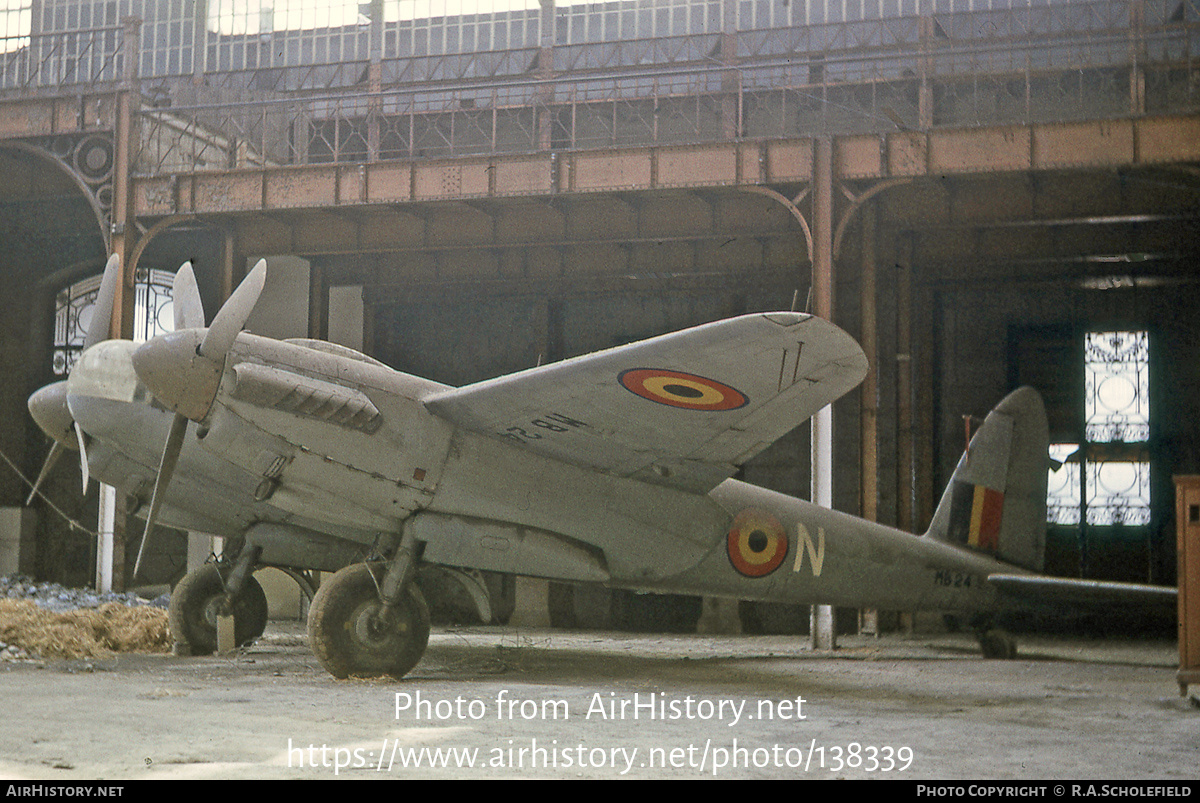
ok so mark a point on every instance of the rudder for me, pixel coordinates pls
(996, 499)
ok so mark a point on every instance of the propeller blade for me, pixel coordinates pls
(166, 468)
(83, 460)
(232, 316)
(103, 308)
(56, 451)
(189, 309)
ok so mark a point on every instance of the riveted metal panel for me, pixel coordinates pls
(436, 180)
(389, 182)
(450, 179)
(70, 114)
(154, 196)
(857, 157)
(610, 170)
(527, 176)
(1108, 142)
(28, 118)
(476, 177)
(697, 166)
(977, 150)
(752, 163)
(225, 192)
(789, 160)
(907, 154)
(1168, 139)
(351, 186)
(311, 186)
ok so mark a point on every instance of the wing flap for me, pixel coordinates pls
(683, 409)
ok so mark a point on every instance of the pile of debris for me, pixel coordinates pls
(55, 597)
(50, 621)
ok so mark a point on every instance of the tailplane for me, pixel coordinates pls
(996, 499)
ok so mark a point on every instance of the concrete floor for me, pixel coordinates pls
(532, 702)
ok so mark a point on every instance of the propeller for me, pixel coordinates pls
(98, 331)
(56, 451)
(83, 461)
(233, 314)
(48, 406)
(184, 371)
(166, 467)
(185, 295)
(102, 309)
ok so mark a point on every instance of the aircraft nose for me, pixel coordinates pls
(48, 406)
(173, 370)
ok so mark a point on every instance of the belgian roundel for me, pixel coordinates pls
(677, 389)
(757, 543)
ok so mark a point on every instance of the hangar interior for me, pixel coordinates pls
(985, 195)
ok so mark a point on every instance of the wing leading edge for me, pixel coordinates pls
(683, 409)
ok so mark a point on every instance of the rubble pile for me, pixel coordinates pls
(55, 597)
(51, 621)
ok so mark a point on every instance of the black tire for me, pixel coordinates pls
(998, 644)
(343, 632)
(196, 601)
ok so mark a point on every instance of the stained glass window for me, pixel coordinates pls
(1106, 481)
(1117, 404)
(1064, 503)
(1118, 492)
(153, 314)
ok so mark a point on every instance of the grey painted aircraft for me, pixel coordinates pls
(613, 468)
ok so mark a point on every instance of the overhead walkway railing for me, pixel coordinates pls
(1060, 62)
(862, 88)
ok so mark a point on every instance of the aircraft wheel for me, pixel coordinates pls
(196, 602)
(347, 636)
(998, 644)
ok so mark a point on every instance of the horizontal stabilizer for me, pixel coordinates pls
(1060, 592)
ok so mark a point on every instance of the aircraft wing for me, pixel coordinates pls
(1064, 591)
(684, 409)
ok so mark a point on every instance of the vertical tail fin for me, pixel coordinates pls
(996, 499)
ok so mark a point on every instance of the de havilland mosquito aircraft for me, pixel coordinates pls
(613, 467)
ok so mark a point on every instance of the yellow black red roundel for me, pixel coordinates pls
(757, 543)
(677, 389)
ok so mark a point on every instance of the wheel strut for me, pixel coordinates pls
(993, 642)
(243, 567)
(399, 574)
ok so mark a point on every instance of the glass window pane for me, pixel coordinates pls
(1063, 503)
(153, 314)
(1118, 493)
(1117, 386)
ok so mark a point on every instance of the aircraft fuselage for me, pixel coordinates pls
(340, 446)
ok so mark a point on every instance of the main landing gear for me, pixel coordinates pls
(210, 591)
(997, 644)
(366, 621)
(353, 635)
(994, 642)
